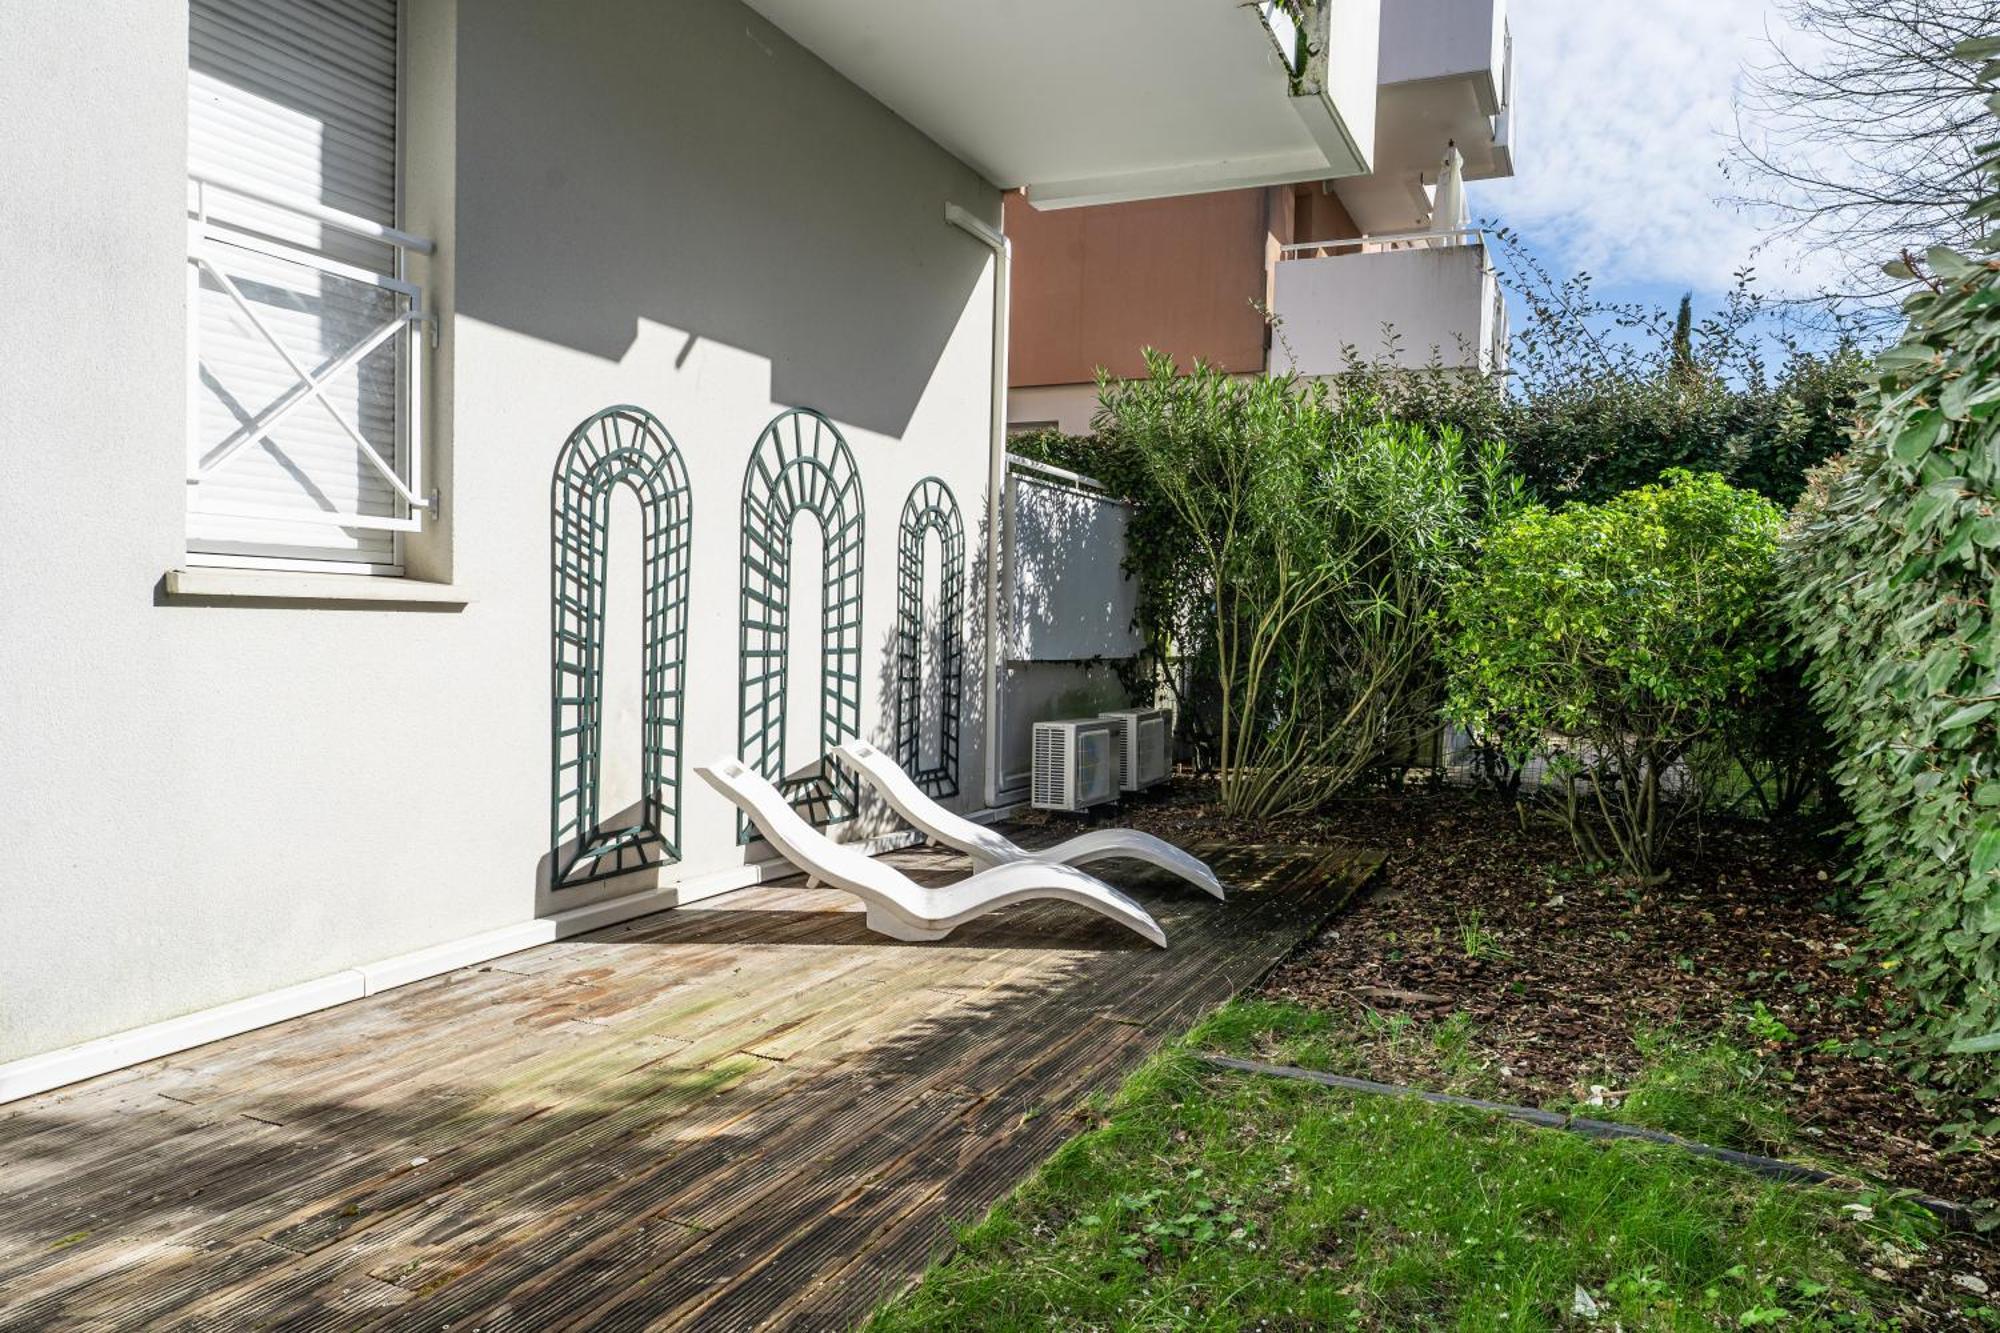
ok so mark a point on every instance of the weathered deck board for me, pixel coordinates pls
(746, 1112)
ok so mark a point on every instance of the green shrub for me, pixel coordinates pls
(1622, 635)
(1606, 430)
(1291, 556)
(1602, 396)
(1891, 572)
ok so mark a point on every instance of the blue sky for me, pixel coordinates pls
(1624, 111)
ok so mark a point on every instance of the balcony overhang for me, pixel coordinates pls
(1111, 100)
(1446, 71)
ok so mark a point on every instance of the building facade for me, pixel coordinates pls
(1293, 276)
(437, 426)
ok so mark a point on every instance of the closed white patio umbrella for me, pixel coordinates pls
(1448, 213)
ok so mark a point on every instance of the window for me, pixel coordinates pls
(307, 334)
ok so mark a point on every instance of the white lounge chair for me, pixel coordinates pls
(988, 848)
(898, 906)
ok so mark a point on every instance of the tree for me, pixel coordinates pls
(1891, 566)
(1605, 395)
(1682, 359)
(1859, 134)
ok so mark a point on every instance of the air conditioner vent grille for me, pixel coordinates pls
(1075, 765)
(1146, 745)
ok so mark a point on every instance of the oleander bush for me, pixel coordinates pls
(1291, 555)
(1620, 638)
(1891, 568)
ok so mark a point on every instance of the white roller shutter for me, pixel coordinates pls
(296, 101)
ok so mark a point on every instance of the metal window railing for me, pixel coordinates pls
(217, 224)
(1061, 476)
(1382, 242)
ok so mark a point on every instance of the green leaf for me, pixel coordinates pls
(1918, 436)
(1986, 851)
(1985, 1045)
(1969, 714)
(1952, 402)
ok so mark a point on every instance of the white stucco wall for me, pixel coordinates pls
(1067, 595)
(1066, 407)
(1068, 609)
(1437, 39)
(1438, 301)
(671, 205)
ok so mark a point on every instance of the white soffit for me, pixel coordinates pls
(1093, 101)
(1417, 121)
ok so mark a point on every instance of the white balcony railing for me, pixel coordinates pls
(1414, 297)
(240, 234)
(1381, 242)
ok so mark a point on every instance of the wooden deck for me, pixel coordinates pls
(744, 1112)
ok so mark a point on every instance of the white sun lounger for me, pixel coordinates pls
(987, 848)
(898, 906)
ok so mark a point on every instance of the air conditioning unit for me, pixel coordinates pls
(1145, 742)
(1076, 765)
(1121, 754)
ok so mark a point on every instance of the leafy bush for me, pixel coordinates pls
(1891, 571)
(1625, 634)
(1291, 556)
(1602, 396)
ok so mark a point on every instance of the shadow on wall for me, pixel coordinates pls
(1068, 598)
(930, 623)
(939, 644)
(1069, 610)
(689, 164)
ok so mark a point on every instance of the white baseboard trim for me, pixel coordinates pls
(53, 1069)
(72, 1064)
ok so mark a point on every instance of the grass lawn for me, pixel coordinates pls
(1210, 1199)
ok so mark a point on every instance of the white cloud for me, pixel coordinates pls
(1625, 112)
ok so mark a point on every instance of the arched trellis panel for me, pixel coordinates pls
(619, 446)
(931, 508)
(801, 465)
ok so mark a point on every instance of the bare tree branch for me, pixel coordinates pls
(1857, 133)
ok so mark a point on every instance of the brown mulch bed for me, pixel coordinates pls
(1580, 961)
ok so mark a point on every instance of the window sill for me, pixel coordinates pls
(274, 587)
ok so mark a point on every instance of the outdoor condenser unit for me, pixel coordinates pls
(1121, 753)
(1076, 765)
(1145, 743)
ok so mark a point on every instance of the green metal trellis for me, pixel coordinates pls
(801, 464)
(628, 446)
(931, 507)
